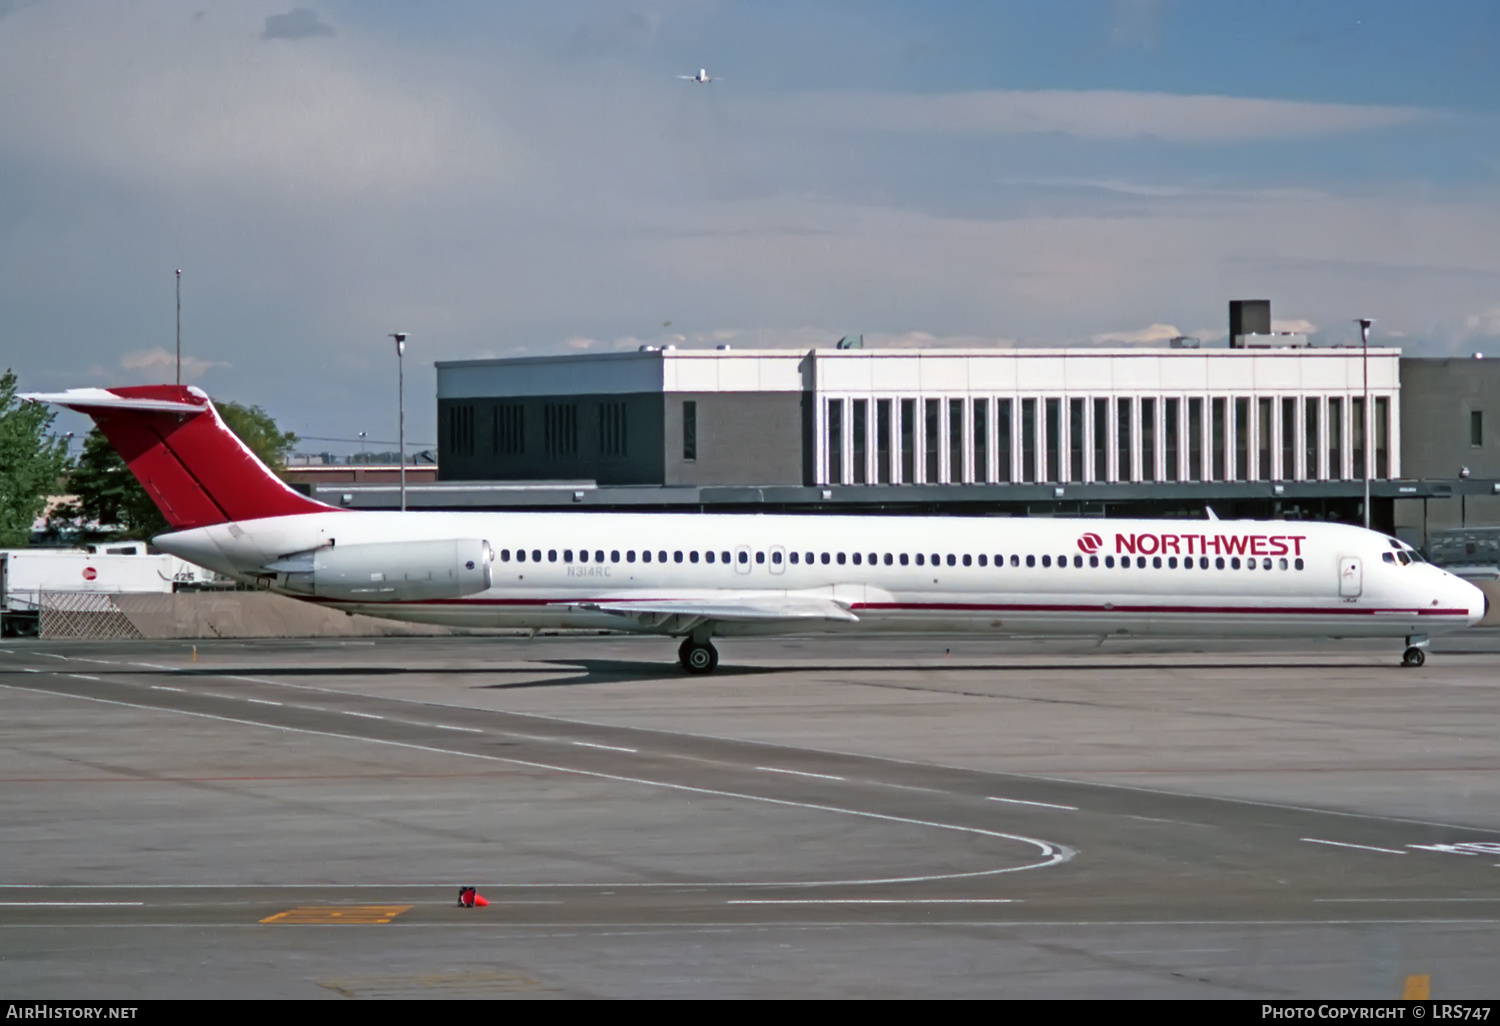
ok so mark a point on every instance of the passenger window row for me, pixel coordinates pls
(903, 559)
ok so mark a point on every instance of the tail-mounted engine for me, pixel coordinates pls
(388, 571)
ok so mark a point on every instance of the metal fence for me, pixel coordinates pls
(83, 615)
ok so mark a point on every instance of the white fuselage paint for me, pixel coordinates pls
(1392, 600)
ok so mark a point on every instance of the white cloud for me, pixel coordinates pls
(157, 365)
(1483, 325)
(1094, 114)
(1156, 333)
(1297, 326)
(152, 97)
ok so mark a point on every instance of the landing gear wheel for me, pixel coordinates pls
(698, 658)
(1413, 657)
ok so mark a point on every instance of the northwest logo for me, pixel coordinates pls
(1089, 543)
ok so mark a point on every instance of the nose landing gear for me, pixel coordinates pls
(698, 657)
(1415, 654)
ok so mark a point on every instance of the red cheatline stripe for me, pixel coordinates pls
(977, 607)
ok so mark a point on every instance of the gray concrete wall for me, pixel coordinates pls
(1437, 397)
(744, 438)
(246, 614)
(1418, 516)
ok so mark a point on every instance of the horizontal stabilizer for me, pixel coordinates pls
(192, 401)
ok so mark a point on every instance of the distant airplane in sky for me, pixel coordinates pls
(703, 77)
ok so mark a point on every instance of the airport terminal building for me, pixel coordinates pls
(1268, 426)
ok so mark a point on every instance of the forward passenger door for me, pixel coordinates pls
(1351, 577)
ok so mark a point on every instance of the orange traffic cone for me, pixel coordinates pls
(480, 901)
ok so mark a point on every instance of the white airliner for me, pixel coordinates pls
(702, 78)
(695, 576)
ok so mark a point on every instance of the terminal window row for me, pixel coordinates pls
(560, 430)
(745, 556)
(1104, 439)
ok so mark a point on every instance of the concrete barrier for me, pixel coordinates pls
(252, 614)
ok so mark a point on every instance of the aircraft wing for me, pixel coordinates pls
(729, 609)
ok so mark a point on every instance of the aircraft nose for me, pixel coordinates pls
(1477, 601)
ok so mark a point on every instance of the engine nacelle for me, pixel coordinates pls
(389, 571)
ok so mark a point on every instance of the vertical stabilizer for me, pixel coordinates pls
(194, 468)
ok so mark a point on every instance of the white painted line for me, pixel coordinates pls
(609, 748)
(262, 701)
(81, 676)
(1040, 805)
(163, 687)
(799, 773)
(1362, 847)
(52, 655)
(445, 726)
(155, 666)
(69, 904)
(101, 662)
(1363, 900)
(367, 716)
(874, 901)
(28, 669)
(1052, 854)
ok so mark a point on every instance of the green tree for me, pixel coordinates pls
(30, 463)
(109, 495)
(259, 432)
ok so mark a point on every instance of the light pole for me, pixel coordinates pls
(179, 325)
(361, 446)
(400, 337)
(1364, 412)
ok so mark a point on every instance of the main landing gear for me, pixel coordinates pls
(698, 657)
(1415, 654)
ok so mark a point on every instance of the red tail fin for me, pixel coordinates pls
(194, 468)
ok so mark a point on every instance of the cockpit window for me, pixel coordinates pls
(1388, 557)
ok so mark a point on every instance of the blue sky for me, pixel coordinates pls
(528, 178)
